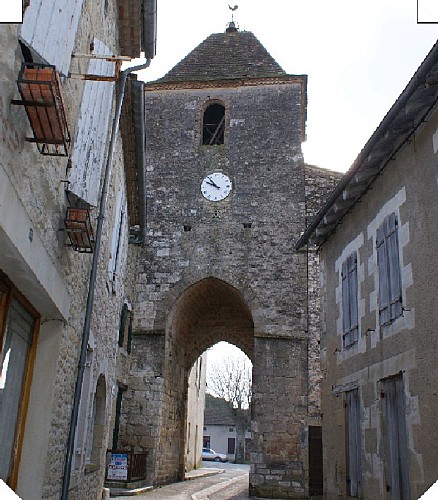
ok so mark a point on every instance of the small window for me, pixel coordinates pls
(349, 301)
(125, 328)
(388, 259)
(231, 429)
(213, 125)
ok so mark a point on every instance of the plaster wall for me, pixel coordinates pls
(408, 187)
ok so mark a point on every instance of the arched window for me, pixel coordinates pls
(213, 125)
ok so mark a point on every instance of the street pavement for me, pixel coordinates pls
(213, 482)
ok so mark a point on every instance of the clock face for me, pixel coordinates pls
(216, 186)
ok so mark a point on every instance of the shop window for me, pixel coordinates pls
(18, 328)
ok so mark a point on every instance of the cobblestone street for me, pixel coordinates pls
(229, 484)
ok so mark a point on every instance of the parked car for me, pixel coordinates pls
(209, 454)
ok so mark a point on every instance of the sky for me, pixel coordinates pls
(358, 55)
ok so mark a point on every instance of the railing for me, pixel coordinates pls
(126, 465)
(40, 90)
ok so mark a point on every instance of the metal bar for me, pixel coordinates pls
(112, 58)
(34, 104)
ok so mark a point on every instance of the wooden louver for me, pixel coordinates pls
(40, 90)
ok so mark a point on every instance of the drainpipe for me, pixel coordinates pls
(120, 92)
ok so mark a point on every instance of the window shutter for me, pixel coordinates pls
(345, 299)
(394, 268)
(115, 238)
(382, 261)
(349, 300)
(90, 145)
(353, 292)
(122, 326)
(354, 443)
(49, 29)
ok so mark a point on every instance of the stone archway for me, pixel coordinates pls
(208, 311)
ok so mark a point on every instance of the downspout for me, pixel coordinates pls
(120, 92)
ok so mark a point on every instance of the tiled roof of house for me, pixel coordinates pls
(232, 55)
(218, 416)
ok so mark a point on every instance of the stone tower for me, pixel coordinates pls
(225, 185)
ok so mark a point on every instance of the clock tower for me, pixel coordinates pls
(225, 203)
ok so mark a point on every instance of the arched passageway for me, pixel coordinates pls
(207, 312)
(204, 313)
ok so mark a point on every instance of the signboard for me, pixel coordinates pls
(118, 467)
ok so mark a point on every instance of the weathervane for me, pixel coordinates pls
(233, 9)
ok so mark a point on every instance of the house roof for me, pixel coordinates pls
(397, 127)
(218, 416)
(229, 55)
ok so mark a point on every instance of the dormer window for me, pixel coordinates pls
(213, 125)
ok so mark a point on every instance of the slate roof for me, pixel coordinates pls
(218, 416)
(223, 56)
(409, 112)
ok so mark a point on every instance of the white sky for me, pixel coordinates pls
(358, 55)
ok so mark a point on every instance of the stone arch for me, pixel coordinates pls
(166, 308)
(209, 311)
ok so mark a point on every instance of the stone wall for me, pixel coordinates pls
(37, 183)
(244, 242)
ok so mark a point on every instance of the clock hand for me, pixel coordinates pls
(212, 183)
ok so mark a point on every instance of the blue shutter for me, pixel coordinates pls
(395, 296)
(353, 297)
(382, 261)
(349, 300)
(345, 299)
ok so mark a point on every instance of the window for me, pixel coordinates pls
(125, 328)
(397, 470)
(97, 424)
(121, 389)
(213, 125)
(390, 295)
(350, 301)
(354, 465)
(119, 230)
(18, 327)
(206, 442)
